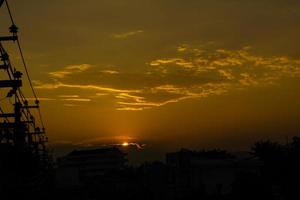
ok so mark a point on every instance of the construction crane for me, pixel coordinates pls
(23, 143)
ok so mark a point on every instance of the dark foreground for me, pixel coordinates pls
(270, 171)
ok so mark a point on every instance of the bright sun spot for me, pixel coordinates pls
(125, 144)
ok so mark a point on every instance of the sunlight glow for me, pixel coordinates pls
(125, 144)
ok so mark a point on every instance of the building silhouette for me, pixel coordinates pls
(206, 173)
(82, 166)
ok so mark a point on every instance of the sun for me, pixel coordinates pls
(125, 144)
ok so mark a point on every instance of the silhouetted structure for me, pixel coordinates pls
(24, 158)
(102, 173)
(82, 166)
(206, 173)
(280, 172)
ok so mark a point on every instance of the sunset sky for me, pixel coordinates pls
(171, 73)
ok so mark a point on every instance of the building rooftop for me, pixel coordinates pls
(95, 151)
(212, 154)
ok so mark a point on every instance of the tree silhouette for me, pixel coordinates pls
(267, 151)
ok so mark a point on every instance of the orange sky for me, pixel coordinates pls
(165, 72)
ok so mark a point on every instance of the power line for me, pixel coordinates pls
(21, 121)
(26, 70)
(14, 31)
(20, 49)
(9, 12)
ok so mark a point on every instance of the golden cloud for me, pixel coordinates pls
(127, 34)
(192, 74)
(69, 70)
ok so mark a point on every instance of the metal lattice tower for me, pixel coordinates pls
(18, 123)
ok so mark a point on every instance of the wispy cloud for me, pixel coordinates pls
(118, 141)
(227, 73)
(113, 140)
(101, 94)
(132, 109)
(70, 105)
(109, 72)
(230, 64)
(70, 69)
(182, 48)
(248, 80)
(68, 96)
(127, 34)
(192, 74)
(202, 91)
(175, 61)
(130, 97)
(234, 69)
(56, 85)
(41, 99)
(78, 100)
